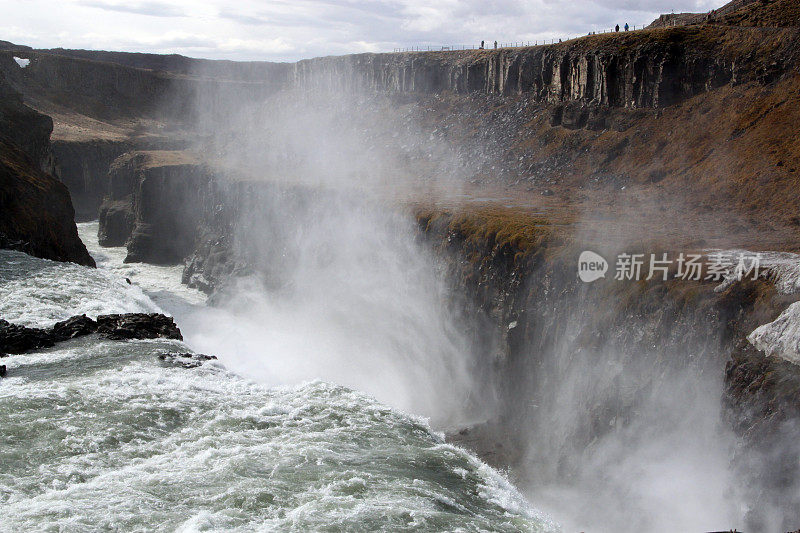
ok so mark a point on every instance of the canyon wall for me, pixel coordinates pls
(633, 70)
(581, 367)
(154, 204)
(36, 214)
(108, 90)
(655, 69)
(83, 167)
(596, 83)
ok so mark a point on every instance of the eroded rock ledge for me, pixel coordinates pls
(16, 339)
(154, 204)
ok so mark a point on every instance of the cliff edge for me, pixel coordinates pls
(36, 213)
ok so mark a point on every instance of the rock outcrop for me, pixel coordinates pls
(138, 326)
(154, 205)
(16, 339)
(83, 166)
(20, 339)
(36, 214)
(185, 360)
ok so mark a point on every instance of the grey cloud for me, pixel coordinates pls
(322, 27)
(249, 20)
(152, 9)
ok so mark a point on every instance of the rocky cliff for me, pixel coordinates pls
(154, 205)
(645, 70)
(83, 167)
(96, 86)
(592, 361)
(36, 214)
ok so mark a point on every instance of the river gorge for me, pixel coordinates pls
(375, 265)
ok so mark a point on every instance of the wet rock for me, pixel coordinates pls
(116, 222)
(19, 339)
(210, 264)
(138, 326)
(185, 360)
(76, 326)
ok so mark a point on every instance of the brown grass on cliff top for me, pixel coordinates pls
(157, 158)
(781, 13)
(721, 169)
(492, 229)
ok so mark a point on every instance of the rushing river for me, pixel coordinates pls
(101, 435)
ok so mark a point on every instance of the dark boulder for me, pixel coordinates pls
(185, 360)
(2, 371)
(116, 222)
(138, 326)
(19, 339)
(76, 326)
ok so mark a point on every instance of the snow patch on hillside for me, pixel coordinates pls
(780, 338)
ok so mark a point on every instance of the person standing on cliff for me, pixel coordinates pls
(495, 45)
(626, 26)
(481, 45)
(616, 28)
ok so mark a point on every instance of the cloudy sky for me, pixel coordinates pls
(287, 30)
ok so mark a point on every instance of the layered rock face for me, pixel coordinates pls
(36, 214)
(154, 205)
(631, 71)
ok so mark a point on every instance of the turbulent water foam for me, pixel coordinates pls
(100, 435)
(161, 283)
(38, 292)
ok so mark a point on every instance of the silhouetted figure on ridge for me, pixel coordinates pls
(495, 45)
(626, 26)
(616, 28)
(481, 45)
